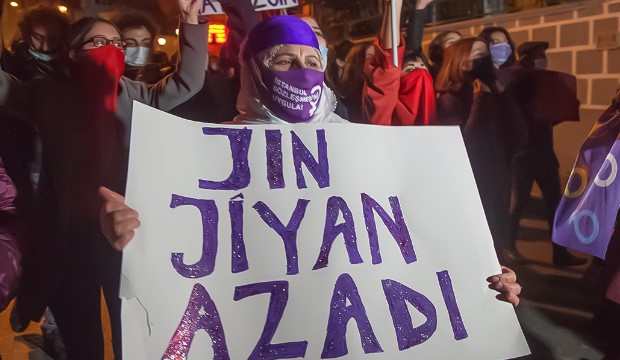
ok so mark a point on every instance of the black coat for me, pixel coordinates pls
(493, 131)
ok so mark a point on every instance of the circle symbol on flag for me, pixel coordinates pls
(583, 178)
(575, 219)
(612, 176)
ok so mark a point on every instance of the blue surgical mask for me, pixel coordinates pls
(500, 52)
(41, 56)
(137, 55)
(324, 50)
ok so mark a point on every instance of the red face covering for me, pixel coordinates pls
(417, 93)
(99, 72)
(97, 78)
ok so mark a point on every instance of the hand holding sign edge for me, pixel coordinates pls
(507, 286)
(116, 220)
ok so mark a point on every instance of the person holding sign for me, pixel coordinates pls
(281, 83)
(282, 76)
(83, 119)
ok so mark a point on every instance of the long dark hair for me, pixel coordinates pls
(78, 31)
(436, 51)
(43, 15)
(135, 20)
(452, 77)
(352, 80)
(338, 52)
(485, 35)
(436, 47)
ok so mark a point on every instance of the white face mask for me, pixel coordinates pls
(137, 55)
(40, 55)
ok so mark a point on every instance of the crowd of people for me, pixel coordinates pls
(66, 94)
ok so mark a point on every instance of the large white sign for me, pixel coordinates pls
(211, 7)
(308, 241)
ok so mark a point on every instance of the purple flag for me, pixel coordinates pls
(586, 216)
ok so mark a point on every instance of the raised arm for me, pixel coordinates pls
(415, 26)
(188, 78)
(241, 19)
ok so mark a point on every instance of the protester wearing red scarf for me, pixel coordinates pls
(403, 94)
(391, 98)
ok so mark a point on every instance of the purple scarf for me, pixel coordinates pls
(279, 30)
(292, 95)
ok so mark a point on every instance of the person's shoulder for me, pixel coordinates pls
(131, 88)
(334, 118)
(448, 97)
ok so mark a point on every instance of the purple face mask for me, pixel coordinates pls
(500, 52)
(292, 95)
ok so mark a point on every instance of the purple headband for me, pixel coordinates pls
(286, 30)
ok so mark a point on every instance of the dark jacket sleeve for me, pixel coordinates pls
(187, 79)
(10, 256)
(415, 30)
(14, 96)
(482, 114)
(241, 19)
(489, 111)
(450, 110)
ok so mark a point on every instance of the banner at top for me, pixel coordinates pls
(213, 7)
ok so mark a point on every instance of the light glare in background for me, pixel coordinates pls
(217, 33)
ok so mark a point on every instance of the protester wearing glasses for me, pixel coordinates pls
(84, 123)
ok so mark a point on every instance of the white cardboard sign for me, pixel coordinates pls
(212, 7)
(307, 241)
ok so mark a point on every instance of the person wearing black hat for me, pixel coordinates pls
(532, 55)
(538, 161)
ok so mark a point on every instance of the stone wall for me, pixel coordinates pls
(571, 31)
